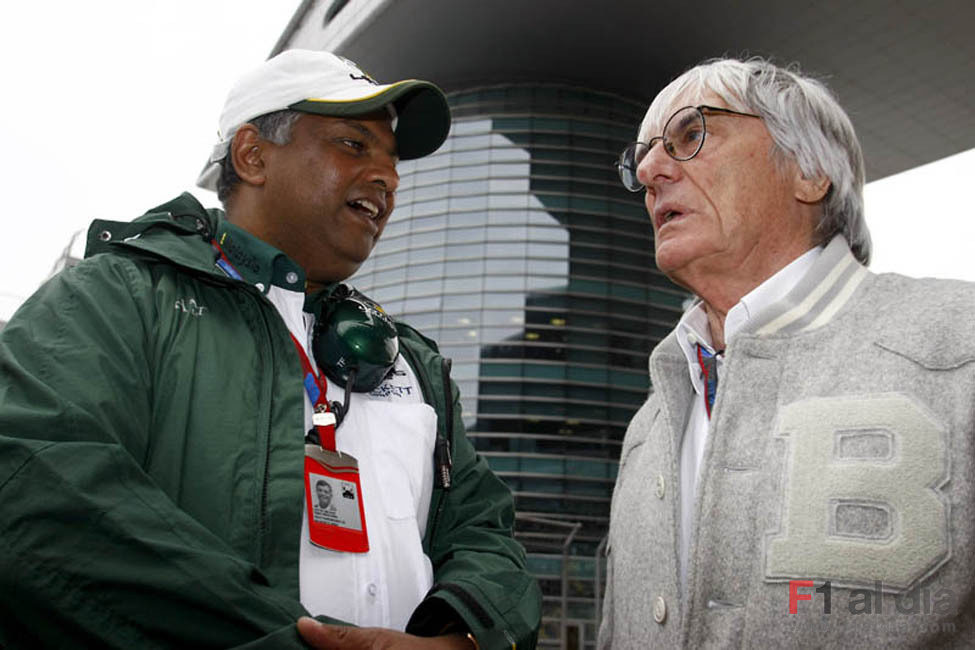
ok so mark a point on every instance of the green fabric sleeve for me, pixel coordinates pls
(92, 552)
(479, 568)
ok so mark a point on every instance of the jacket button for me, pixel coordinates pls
(661, 486)
(292, 277)
(105, 235)
(660, 610)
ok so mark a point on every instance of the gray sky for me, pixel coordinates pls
(111, 107)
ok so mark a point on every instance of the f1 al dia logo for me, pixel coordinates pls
(871, 601)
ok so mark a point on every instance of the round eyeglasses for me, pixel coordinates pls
(682, 139)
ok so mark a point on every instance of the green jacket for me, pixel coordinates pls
(150, 470)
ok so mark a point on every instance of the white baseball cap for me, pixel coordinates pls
(314, 81)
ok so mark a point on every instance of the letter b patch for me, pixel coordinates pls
(860, 492)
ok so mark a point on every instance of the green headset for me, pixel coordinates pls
(355, 343)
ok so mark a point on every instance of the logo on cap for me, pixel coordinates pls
(357, 73)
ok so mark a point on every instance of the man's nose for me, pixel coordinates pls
(657, 167)
(384, 173)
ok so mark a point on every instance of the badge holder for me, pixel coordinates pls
(336, 518)
(333, 493)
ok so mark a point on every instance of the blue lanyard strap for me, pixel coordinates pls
(223, 263)
(709, 368)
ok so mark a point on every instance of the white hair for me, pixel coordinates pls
(807, 126)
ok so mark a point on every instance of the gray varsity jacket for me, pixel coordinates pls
(836, 502)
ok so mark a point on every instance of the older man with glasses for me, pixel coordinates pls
(802, 473)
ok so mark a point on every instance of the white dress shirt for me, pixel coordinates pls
(391, 432)
(693, 329)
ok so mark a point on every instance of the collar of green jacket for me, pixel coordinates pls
(181, 231)
(258, 262)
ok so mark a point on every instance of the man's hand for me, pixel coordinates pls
(341, 637)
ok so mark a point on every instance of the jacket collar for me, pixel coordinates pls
(259, 263)
(815, 301)
(181, 231)
(819, 296)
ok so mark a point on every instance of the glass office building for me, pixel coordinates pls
(515, 247)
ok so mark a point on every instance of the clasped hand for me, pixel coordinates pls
(340, 637)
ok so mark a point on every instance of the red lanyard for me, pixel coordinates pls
(317, 386)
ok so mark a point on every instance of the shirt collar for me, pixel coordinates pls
(259, 263)
(693, 327)
(769, 292)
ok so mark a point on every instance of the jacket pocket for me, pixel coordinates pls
(933, 355)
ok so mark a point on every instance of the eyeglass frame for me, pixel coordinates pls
(700, 108)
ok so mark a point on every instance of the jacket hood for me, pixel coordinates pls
(178, 231)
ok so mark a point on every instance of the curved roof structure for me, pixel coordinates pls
(905, 71)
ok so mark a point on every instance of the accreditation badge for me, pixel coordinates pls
(333, 496)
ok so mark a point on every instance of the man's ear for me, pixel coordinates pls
(247, 155)
(811, 190)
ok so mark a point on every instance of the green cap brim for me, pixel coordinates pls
(423, 117)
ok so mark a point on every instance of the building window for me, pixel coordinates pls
(533, 268)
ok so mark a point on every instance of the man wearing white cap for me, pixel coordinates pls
(170, 407)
